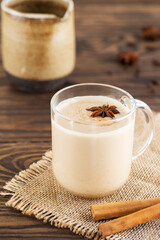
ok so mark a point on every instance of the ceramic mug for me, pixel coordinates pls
(38, 42)
(92, 157)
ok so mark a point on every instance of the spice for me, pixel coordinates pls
(129, 221)
(155, 82)
(150, 33)
(119, 209)
(128, 58)
(156, 62)
(103, 111)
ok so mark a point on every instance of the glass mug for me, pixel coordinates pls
(91, 159)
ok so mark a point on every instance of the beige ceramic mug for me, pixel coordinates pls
(38, 42)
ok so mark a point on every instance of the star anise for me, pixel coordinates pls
(150, 33)
(156, 62)
(127, 58)
(103, 111)
(156, 82)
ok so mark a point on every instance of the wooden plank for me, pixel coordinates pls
(13, 225)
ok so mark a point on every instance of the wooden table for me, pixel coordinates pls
(104, 28)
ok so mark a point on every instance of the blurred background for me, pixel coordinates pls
(104, 29)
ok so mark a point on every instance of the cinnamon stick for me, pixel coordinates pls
(119, 209)
(129, 221)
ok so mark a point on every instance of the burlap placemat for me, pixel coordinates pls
(36, 192)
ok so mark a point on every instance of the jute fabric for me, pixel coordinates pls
(36, 192)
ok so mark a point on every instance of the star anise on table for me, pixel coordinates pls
(150, 33)
(103, 111)
(128, 58)
(156, 62)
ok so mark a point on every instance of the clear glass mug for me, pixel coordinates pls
(91, 161)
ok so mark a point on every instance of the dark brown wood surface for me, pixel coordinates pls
(103, 28)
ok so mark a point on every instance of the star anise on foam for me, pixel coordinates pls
(103, 111)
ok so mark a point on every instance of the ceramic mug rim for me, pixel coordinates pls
(54, 108)
(9, 10)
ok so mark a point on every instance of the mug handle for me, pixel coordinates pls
(144, 129)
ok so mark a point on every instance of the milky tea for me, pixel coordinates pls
(91, 156)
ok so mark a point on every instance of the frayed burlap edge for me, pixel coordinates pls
(26, 207)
